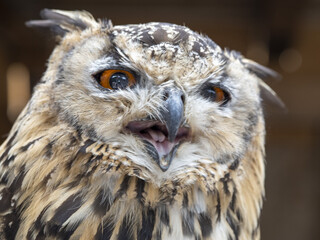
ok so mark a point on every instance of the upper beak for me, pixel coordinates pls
(173, 111)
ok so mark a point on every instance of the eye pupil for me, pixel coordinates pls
(119, 81)
(115, 79)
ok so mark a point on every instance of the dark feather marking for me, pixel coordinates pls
(239, 216)
(11, 139)
(218, 207)
(124, 230)
(123, 187)
(188, 223)
(160, 36)
(100, 147)
(119, 165)
(185, 200)
(148, 221)
(41, 235)
(72, 184)
(26, 147)
(58, 231)
(5, 202)
(140, 189)
(52, 229)
(109, 167)
(66, 209)
(91, 171)
(233, 200)
(107, 148)
(225, 181)
(164, 215)
(73, 159)
(181, 37)
(205, 224)
(233, 224)
(73, 141)
(4, 178)
(136, 171)
(47, 178)
(49, 149)
(8, 146)
(146, 39)
(93, 159)
(197, 49)
(5, 153)
(8, 160)
(105, 230)
(101, 204)
(197, 237)
(87, 144)
(12, 223)
(235, 164)
(37, 226)
(92, 133)
(151, 151)
(16, 184)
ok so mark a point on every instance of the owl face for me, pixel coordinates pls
(168, 98)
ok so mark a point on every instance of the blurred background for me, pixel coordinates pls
(284, 35)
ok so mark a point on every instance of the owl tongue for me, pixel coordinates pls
(157, 136)
(160, 142)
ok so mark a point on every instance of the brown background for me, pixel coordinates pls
(263, 30)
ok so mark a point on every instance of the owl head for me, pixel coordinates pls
(168, 99)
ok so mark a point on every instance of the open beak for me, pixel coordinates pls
(164, 136)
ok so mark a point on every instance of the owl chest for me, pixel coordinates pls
(142, 212)
(130, 208)
(131, 220)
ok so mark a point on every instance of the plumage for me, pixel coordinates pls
(171, 148)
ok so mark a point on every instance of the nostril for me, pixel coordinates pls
(165, 95)
(183, 98)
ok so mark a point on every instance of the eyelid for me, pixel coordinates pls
(222, 86)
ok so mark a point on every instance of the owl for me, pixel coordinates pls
(148, 131)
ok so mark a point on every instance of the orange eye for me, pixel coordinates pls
(219, 94)
(215, 94)
(116, 79)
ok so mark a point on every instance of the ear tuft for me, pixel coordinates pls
(262, 73)
(259, 70)
(62, 22)
(268, 94)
